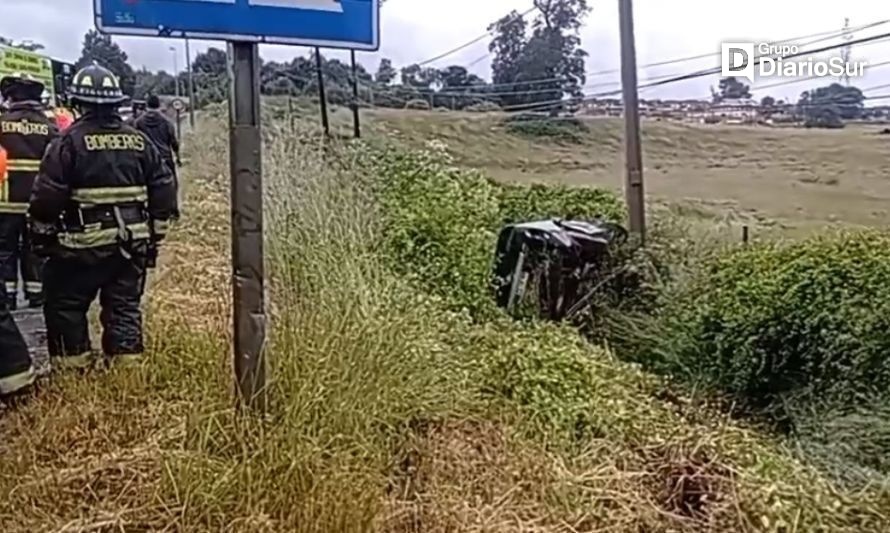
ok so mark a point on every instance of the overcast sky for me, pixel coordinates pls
(414, 30)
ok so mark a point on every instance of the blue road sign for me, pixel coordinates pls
(351, 24)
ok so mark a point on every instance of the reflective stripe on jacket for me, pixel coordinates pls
(94, 235)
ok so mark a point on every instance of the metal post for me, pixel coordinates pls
(321, 95)
(247, 223)
(356, 125)
(188, 58)
(745, 234)
(175, 70)
(634, 159)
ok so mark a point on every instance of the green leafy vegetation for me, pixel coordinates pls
(797, 332)
(562, 129)
(776, 320)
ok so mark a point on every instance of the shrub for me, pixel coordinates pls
(483, 107)
(780, 323)
(538, 201)
(421, 105)
(564, 129)
(439, 224)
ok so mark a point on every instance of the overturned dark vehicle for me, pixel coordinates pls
(558, 263)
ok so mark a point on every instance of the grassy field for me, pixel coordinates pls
(388, 411)
(794, 178)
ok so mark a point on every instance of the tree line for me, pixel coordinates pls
(537, 64)
(829, 106)
(525, 49)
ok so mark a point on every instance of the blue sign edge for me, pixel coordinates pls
(143, 32)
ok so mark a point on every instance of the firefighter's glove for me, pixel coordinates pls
(44, 245)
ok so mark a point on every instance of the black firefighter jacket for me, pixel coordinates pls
(25, 133)
(95, 165)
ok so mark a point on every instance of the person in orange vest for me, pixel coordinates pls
(64, 118)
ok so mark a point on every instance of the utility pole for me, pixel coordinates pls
(634, 191)
(356, 125)
(175, 69)
(321, 94)
(847, 51)
(188, 58)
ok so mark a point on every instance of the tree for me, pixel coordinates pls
(847, 102)
(767, 106)
(102, 50)
(386, 73)
(826, 116)
(507, 46)
(214, 62)
(147, 82)
(551, 56)
(30, 46)
(419, 77)
(210, 73)
(731, 88)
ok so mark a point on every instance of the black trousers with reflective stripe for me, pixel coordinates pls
(16, 256)
(14, 357)
(71, 286)
(171, 164)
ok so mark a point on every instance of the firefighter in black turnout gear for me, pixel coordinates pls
(16, 370)
(25, 132)
(99, 209)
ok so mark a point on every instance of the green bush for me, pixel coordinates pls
(783, 324)
(519, 203)
(439, 225)
(564, 129)
(419, 105)
(485, 106)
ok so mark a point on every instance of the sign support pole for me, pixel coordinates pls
(356, 125)
(634, 192)
(247, 223)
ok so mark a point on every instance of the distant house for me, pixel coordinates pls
(604, 107)
(735, 111)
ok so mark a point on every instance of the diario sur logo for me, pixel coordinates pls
(750, 60)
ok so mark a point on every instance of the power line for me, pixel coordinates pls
(543, 106)
(471, 42)
(819, 37)
(718, 70)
